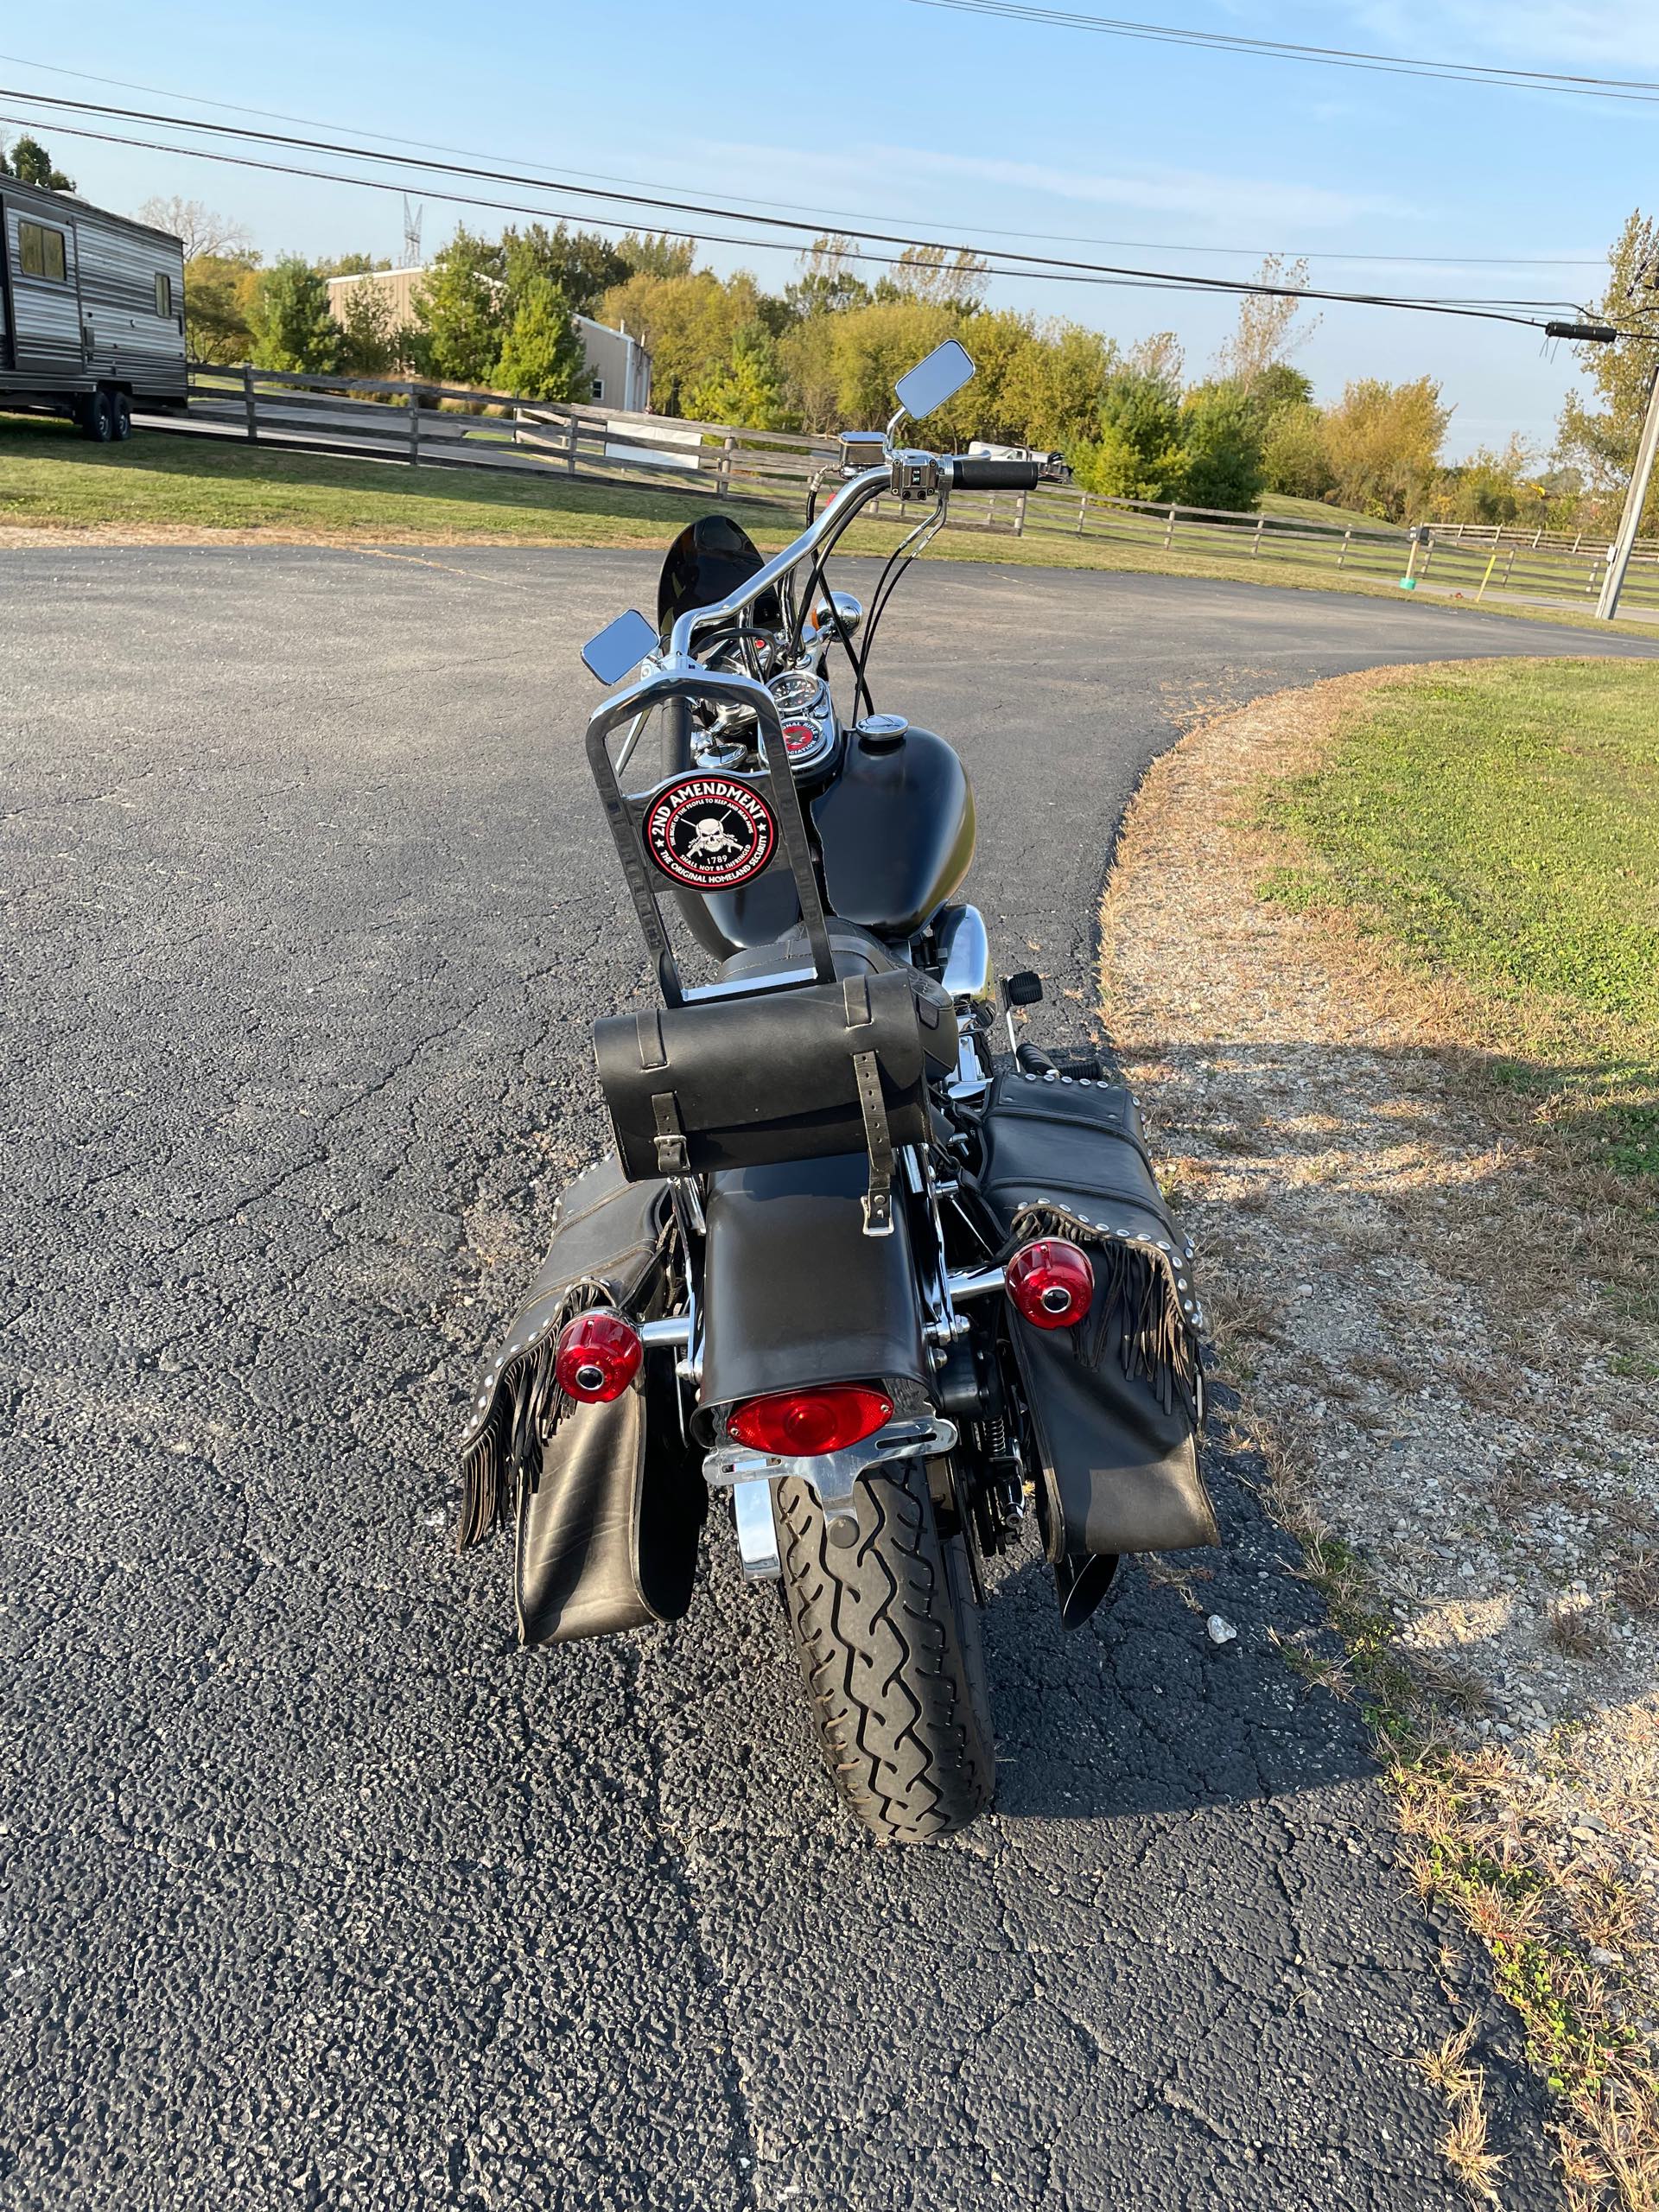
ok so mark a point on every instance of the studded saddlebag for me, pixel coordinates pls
(604, 1512)
(1116, 1402)
(799, 1073)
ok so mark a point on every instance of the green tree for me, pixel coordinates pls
(369, 338)
(654, 254)
(1136, 451)
(1384, 441)
(1293, 458)
(221, 298)
(688, 324)
(1221, 448)
(747, 391)
(540, 355)
(462, 311)
(292, 327)
(827, 283)
(938, 277)
(580, 264)
(30, 164)
(1600, 441)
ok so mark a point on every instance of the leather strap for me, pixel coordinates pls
(877, 1139)
(671, 1156)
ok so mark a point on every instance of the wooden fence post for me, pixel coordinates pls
(1256, 542)
(1020, 515)
(1509, 568)
(724, 476)
(1083, 509)
(573, 426)
(247, 404)
(1169, 534)
(414, 425)
(1347, 539)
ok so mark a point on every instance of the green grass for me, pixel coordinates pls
(50, 478)
(1278, 503)
(1500, 822)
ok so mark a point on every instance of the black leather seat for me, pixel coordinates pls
(854, 950)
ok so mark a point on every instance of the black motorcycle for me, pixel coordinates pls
(875, 1280)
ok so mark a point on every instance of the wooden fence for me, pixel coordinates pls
(432, 425)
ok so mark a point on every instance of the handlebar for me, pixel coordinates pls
(975, 472)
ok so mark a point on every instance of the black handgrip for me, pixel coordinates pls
(974, 473)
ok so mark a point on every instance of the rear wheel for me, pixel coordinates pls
(888, 1636)
(120, 416)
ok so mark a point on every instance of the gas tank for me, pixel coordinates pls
(896, 828)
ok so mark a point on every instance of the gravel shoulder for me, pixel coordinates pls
(1416, 1292)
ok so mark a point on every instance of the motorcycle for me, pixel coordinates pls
(851, 1266)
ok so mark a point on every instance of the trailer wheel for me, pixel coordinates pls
(120, 416)
(97, 418)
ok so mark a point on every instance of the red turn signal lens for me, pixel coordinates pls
(801, 1424)
(597, 1357)
(1052, 1283)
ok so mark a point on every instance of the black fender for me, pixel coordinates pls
(605, 1501)
(796, 1295)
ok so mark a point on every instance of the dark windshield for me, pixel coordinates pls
(711, 559)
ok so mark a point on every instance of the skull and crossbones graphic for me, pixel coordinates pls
(710, 833)
(712, 842)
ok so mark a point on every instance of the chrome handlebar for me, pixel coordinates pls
(855, 493)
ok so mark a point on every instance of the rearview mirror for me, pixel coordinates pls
(619, 647)
(933, 381)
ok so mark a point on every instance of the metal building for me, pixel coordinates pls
(616, 368)
(91, 311)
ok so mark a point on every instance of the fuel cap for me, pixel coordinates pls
(880, 733)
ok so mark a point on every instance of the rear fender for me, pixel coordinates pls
(796, 1295)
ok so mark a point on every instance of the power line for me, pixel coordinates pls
(849, 214)
(1045, 267)
(1643, 90)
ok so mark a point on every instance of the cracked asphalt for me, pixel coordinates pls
(317, 1892)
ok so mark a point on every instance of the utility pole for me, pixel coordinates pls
(1619, 554)
(1618, 558)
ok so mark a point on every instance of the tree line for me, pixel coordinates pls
(497, 314)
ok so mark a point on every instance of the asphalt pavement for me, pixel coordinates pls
(319, 1892)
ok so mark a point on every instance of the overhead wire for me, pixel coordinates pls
(553, 174)
(1050, 267)
(1498, 75)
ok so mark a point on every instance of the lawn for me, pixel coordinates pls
(1289, 510)
(159, 485)
(1500, 823)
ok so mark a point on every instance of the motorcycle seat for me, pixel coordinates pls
(855, 951)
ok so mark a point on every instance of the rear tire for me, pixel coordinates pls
(120, 416)
(888, 1636)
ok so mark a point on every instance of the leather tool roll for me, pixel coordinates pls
(798, 1073)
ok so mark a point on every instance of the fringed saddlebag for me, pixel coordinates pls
(605, 1518)
(1116, 1402)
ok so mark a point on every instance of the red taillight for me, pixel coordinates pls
(801, 1424)
(597, 1357)
(1050, 1283)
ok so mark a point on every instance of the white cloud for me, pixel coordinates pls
(1228, 202)
(1617, 38)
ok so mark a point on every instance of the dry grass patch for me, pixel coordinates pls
(1434, 1295)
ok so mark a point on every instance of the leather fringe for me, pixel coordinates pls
(1137, 1312)
(525, 1408)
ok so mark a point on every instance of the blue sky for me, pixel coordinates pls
(946, 123)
